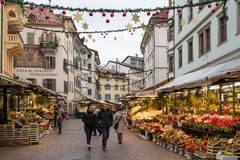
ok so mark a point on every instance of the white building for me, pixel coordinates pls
(48, 56)
(209, 41)
(133, 68)
(154, 49)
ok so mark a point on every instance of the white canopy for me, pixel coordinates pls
(204, 77)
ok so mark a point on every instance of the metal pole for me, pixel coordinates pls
(234, 99)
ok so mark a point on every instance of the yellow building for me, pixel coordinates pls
(113, 84)
(13, 43)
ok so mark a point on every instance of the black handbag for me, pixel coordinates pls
(117, 123)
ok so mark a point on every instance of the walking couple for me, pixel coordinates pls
(105, 120)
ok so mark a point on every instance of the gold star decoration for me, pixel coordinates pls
(77, 17)
(24, 19)
(143, 26)
(129, 26)
(135, 18)
(89, 36)
(69, 26)
(195, 21)
(183, 22)
(85, 26)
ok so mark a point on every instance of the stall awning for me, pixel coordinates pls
(6, 81)
(225, 71)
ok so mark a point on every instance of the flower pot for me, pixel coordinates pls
(164, 144)
(175, 149)
(171, 147)
(154, 137)
(181, 152)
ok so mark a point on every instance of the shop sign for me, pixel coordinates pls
(37, 72)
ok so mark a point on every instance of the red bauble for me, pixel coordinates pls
(134, 30)
(157, 13)
(209, 5)
(2, 2)
(167, 12)
(148, 13)
(51, 10)
(63, 12)
(41, 9)
(47, 17)
(30, 8)
(213, 10)
(101, 33)
(104, 36)
(131, 33)
(179, 10)
(216, 4)
(103, 14)
(107, 21)
(162, 17)
(200, 8)
(90, 14)
(124, 14)
(111, 14)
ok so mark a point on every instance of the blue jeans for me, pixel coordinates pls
(59, 124)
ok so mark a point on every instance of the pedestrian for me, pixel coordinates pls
(97, 126)
(121, 119)
(89, 119)
(59, 118)
(55, 113)
(105, 118)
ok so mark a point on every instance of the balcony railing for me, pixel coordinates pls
(48, 44)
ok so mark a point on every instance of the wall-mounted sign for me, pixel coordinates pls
(37, 72)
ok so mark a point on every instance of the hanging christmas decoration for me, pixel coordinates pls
(51, 10)
(124, 14)
(85, 26)
(107, 20)
(2, 2)
(112, 14)
(183, 22)
(41, 9)
(129, 27)
(103, 14)
(63, 12)
(200, 8)
(89, 36)
(77, 17)
(47, 17)
(143, 26)
(30, 8)
(148, 13)
(24, 19)
(135, 18)
(90, 14)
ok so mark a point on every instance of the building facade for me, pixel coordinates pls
(209, 41)
(48, 56)
(11, 40)
(113, 84)
(93, 62)
(154, 47)
(133, 67)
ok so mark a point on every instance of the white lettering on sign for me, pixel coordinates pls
(37, 72)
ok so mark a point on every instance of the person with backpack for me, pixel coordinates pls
(89, 119)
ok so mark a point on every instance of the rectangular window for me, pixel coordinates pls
(89, 92)
(66, 86)
(107, 87)
(89, 66)
(170, 32)
(50, 62)
(190, 11)
(171, 64)
(30, 38)
(107, 97)
(89, 79)
(169, 3)
(179, 22)
(34, 81)
(204, 40)
(238, 17)
(117, 97)
(99, 96)
(180, 57)
(190, 50)
(50, 84)
(222, 37)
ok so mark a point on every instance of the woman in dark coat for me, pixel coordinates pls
(89, 120)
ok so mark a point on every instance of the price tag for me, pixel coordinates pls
(230, 141)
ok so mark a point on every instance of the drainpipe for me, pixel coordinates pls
(174, 39)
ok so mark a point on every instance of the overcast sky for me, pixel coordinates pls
(114, 45)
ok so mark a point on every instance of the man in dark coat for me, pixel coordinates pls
(105, 118)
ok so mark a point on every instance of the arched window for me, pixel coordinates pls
(116, 87)
(12, 14)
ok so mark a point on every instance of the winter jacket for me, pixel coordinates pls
(105, 118)
(122, 121)
(89, 119)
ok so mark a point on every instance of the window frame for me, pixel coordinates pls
(220, 32)
(33, 38)
(180, 62)
(190, 41)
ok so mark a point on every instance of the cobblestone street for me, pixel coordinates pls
(71, 145)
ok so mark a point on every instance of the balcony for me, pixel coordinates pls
(14, 44)
(48, 41)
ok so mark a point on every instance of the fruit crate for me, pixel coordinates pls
(34, 133)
